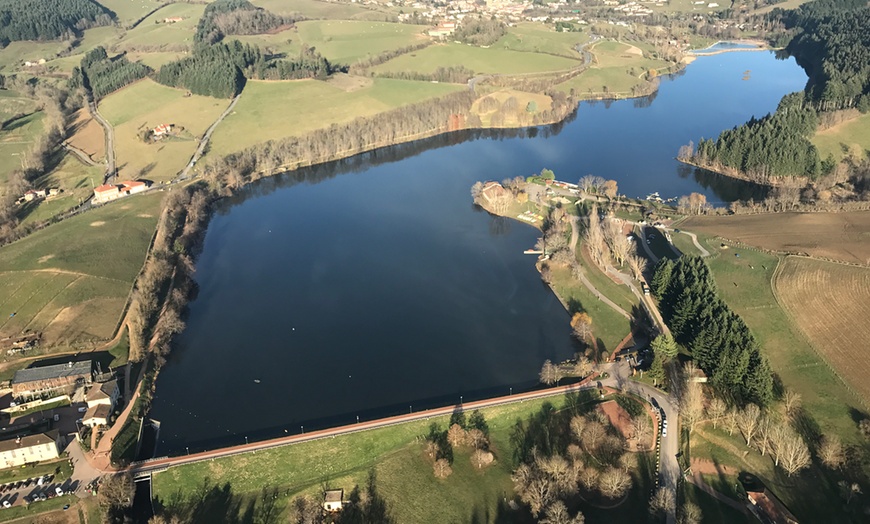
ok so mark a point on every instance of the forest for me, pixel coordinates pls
(103, 75)
(234, 17)
(41, 20)
(220, 70)
(479, 31)
(832, 43)
(718, 339)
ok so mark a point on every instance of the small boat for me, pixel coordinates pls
(256, 381)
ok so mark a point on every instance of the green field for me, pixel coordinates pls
(155, 35)
(748, 291)
(539, 38)
(852, 137)
(146, 104)
(12, 103)
(478, 59)
(684, 243)
(13, 56)
(319, 9)
(617, 68)
(155, 60)
(16, 140)
(128, 11)
(404, 475)
(76, 181)
(74, 290)
(269, 110)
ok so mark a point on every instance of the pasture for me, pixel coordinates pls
(745, 283)
(153, 34)
(477, 59)
(75, 290)
(13, 56)
(849, 138)
(88, 135)
(345, 41)
(16, 140)
(75, 180)
(617, 68)
(146, 104)
(404, 474)
(320, 9)
(128, 11)
(539, 38)
(13, 103)
(527, 104)
(829, 302)
(839, 236)
(279, 109)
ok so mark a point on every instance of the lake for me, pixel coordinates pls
(373, 286)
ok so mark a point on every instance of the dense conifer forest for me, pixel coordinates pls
(41, 20)
(104, 75)
(235, 17)
(832, 42)
(718, 339)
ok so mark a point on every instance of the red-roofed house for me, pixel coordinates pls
(161, 131)
(109, 192)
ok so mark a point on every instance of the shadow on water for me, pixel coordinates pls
(729, 189)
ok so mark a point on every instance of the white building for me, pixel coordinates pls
(28, 449)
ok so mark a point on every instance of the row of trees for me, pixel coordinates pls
(103, 75)
(234, 17)
(363, 64)
(719, 340)
(41, 20)
(607, 243)
(361, 134)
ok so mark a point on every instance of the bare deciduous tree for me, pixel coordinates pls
(791, 401)
(456, 436)
(481, 458)
(637, 264)
(642, 431)
(663, 502)
(550, 373)
(614, 483)
(831, 452)
(589, 478)
(790, 451)
(583, 366)
(442, 468)
(476, 439)
(578, 424)
(730, 420)
(581, 324)
(557, 513)
(593, 434)
(716, 410)
(690, 513)
(747, 421)
(692, 400)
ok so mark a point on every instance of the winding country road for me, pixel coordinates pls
(110, 138)
(204, 141)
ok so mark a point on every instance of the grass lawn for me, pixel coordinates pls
(684, 243)
(60, 469)
(13, 103)
(152, 34)
(16, 140)
(539, 38)
(749, 292)
(13, 56)
(25, 512)
(712, 510)
(318, 9)
(618, 293)
(404, 474)
(540, 102)
(852, 137)
(608, 326)
(478, 59)
(147, 104)
(73, 178)
(128, 11)
(617, 68)
(74, 290)
(155, 60)
(346, 41)
(265, 109)
(121, 350)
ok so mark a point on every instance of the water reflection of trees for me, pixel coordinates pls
(387, 155)
(726, 188)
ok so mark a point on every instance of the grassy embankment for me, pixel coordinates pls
(153, 35)
(849, 138)
(404, 474)
(340, 41)
(146, 104)
(617, 68)
(261, 114)
(745, 284)
(71, 280)
(128, 11)
(477, 59)
(16, 140)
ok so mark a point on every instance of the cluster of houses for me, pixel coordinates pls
(34, 63)
(38, 194)
(161, 131)
(172, 19)
(109, 192)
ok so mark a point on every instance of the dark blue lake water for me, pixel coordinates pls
(373, 286)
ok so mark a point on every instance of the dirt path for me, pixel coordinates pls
(694, 237)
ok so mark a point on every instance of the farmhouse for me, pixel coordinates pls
(172, 19)
(31, 448)
(109, 192)
(33, 194)
(492, 191)
(161, 131)
(49, 380)
(332, 500)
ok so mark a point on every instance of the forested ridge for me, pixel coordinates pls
(719, 340)
(235, 17)
(48, 20)
(104, 75)
(832, 42)
(220, 70)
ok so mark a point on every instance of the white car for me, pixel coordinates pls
(664, 431)
(6, 504)
(58, 490)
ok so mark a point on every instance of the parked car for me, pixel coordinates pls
(58, 490)
(7, 504)
(83, 409)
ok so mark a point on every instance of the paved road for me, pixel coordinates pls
(694, 237)
(204, 141)
(81, 155)
(110, 138)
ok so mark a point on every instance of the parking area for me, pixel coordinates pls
(35, 490)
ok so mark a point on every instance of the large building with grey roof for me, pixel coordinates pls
(59, 379)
